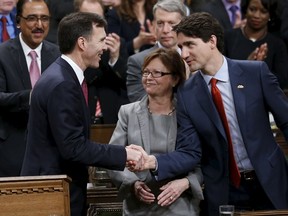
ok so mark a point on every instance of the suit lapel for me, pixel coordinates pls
(238, 81)
(205, 100)
(143, 124)
(21, 65)
(45, 56)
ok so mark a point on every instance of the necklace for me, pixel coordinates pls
(253, 39)
(168, 114)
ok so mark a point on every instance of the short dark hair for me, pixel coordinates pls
(202, 25)
(76, 25)
(19, 7)
(172, 61)
(272, 7)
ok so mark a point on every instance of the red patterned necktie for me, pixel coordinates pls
(34, 68)
(216, 95)
(85, 90)
(5, 35)
(98, 109)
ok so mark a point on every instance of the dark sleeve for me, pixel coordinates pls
(70, 130)
(187, 152)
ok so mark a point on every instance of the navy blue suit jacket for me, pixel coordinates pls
(256, 92)
(58, 132)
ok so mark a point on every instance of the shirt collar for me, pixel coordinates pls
(8, 18)
(161, 46)
(27, 49)
(221, 74)
(78, 71)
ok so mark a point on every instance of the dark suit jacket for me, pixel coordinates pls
(126, 30)
(58, 132)
(217, 9)
(108, 85)
(15, 87)
(199, 123)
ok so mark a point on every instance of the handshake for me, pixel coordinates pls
(138, 159)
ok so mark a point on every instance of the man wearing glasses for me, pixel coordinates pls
(22, 60)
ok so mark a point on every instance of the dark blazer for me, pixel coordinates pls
(15, 88)
(126, 30)
(108, 85)
(256, 92)
(58, 132)
(217, 9)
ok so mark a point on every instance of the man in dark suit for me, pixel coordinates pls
(59, 125)
(7, 10)
(15, 84)
(249, 91)
(227, 12)
(106, 84)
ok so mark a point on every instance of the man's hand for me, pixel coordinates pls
(134, 157)
(148, 161)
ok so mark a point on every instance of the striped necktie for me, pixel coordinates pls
(5, 35)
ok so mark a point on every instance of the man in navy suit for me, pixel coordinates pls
(15, 84)
(59, 123)
(249, 92)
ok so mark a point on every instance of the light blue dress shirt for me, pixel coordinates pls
(224, 86)
(9, 26)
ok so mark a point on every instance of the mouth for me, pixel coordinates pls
(38, 32)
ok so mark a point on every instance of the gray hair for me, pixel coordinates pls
(171, 6)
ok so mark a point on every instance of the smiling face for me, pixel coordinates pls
(164, 22)
(160, 86)
(195, 51)
(33, 33)
(257, 16)
(95, 45)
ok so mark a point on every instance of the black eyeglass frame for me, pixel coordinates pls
(146, 73)
(35, 19)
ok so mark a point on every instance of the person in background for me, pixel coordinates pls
(109, 4)
(58, 10)
(222, 111)
(167, 13)
(106, 84)
(255, 42)
(8, 28)
(227, 12)
(151, 123)
(132, 21)
(17, 80)
(58, 128)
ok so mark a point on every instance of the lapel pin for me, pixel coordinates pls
(240, 86)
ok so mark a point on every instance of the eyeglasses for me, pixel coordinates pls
(155, 74)
(34, 18)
